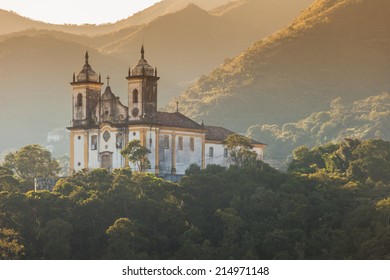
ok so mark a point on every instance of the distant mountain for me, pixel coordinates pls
(190, 42)
(362, 119)
(36, 65)
(35, 72)
(11, 22)
(268, 15)
(335, 48)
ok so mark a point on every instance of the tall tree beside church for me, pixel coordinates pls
(137, 154)
(240, 150)
(32, 161)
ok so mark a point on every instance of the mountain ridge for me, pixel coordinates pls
(21, 23)
(45, 61)
(344, 55)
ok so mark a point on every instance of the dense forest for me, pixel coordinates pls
(332, 203)
(363, 119)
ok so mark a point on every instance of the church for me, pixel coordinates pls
(102, 125)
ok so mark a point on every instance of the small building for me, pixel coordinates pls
(102, 125)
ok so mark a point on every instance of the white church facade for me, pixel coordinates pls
(102, 125)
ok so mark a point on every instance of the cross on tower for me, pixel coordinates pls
(108, 81)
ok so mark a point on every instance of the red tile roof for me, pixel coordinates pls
(176, 120)
(216, 133)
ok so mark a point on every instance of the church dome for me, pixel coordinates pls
(142, 68)
(87, 74)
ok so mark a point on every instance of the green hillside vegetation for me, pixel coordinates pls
(335, 48)
(362, 119)
(332, 204)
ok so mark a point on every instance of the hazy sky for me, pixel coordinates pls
(76, 11)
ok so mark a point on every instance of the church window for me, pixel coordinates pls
(79, 137)
(211, 152)
(106, 136)
(166, 142)
(192, 144)
(79, 100)
(180, 145)
(225, 153)
(119, 141)
(94, 142)
(135, 96)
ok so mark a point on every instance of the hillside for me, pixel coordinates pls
(362, 119)
(34, 85)
(11, 22)
(182, 45)
(335, 48)
(269, 15)
(188, 43)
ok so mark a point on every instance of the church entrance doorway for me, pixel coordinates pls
(106, 161)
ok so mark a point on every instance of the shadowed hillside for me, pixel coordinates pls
(335, 48)
(186, 44)
(34, 85)
(36, 65)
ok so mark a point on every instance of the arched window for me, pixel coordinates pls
(79, 100)
(166, 142)
(211, 152)
(94, 139)
(192, 144)
(180, 144)
(119, 140)
(135, 96)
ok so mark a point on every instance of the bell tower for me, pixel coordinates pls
(86, 90)
(142, 90)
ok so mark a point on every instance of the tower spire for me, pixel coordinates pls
(142, 52)
(86, 57)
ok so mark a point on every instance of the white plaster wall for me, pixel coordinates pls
(165, 155)
(186, 157)
(93, 160)
(259, 152)
(151, 135)
(218, 157)
(78, 151)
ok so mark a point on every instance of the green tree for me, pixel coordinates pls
(10, 246)
(124, 241)
(193, 169)
(7, 181)
(383, 207)
(31, 162)
(56, 235)
(137, 154)
(240, 150)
